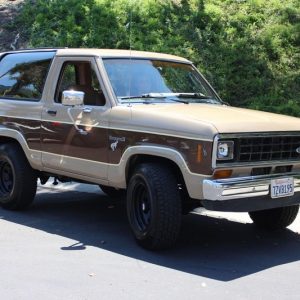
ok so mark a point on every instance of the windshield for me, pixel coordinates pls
(135, 80)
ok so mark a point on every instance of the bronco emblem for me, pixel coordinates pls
(114, 145)
(116, 140)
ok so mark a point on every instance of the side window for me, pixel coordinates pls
(23, 75)
(69, 77)
(80, 76)
(95, 81)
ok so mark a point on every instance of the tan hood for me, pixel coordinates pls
(208, 119)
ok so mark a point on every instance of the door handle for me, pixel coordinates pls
(87, 110)
(81, 131)
(51, 112)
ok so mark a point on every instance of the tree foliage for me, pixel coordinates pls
(248, 49)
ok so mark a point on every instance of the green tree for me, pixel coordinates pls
(249, 50)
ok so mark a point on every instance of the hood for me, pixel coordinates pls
(208, 120)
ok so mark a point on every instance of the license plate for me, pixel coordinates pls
(282, 187)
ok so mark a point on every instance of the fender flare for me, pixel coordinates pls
(34, 157)
(117, 172)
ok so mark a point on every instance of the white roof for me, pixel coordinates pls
(115, 53)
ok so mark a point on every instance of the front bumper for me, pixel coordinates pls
(243, 187)
(247, 193)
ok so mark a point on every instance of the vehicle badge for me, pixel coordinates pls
(298, 150)
(114, 145)
(115, 140)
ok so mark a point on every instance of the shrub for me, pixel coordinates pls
(249, 50)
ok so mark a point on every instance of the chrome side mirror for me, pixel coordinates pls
(72, 98)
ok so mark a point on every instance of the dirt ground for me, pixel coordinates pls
(10, 38)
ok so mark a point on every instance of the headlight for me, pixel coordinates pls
(225, 150)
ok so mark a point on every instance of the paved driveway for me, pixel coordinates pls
(74, 243)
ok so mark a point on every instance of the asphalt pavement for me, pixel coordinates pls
(75, 243)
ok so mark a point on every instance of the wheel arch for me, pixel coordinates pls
(118, 174)
(13, 136)
(137, 159)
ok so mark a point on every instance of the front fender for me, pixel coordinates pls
(117, 172)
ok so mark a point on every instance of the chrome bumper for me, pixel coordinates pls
(243, 187)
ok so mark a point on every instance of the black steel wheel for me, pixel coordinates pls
(141, 205)
(154, 206)
(6, 178)
(18, 180)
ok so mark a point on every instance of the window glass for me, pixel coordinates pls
(137, 77)
(80, 76)
(23, 75)
(95, 81)
(69, 77)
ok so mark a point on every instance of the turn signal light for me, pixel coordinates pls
(199, 153)
(219, 174)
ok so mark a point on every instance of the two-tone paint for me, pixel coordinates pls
(97, 144)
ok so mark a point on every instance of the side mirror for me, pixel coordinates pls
(72, 98)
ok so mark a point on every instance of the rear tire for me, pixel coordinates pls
(276, 218)
(18, 181)
(154, 206)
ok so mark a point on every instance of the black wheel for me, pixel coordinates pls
(154, 206)
(18, 180)
(276, 218)
(113, 192)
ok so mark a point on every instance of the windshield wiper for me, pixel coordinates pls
(180, 101)
(200, 96)
(154, 96)
(143, 96)
(169, 97)
(192, 95)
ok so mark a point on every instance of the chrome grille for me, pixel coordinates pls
(267, 148)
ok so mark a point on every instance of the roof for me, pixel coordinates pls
(117, 53)
(106, 53)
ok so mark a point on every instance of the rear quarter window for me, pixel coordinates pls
(23, 75)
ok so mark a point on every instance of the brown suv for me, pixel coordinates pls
(148, 124)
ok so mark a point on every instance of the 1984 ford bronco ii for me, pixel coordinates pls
(148, 124)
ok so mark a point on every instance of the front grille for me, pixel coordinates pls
(264, 148)
(271, 148)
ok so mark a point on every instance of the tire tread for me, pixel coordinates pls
(25, 181)
(275, 219)
(164, 189)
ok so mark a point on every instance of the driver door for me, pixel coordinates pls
(74, 138)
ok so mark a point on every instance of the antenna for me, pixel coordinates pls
(130, 46)
(130, 31)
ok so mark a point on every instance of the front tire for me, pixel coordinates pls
(276, 218)
(18, 181)
(154, 206)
